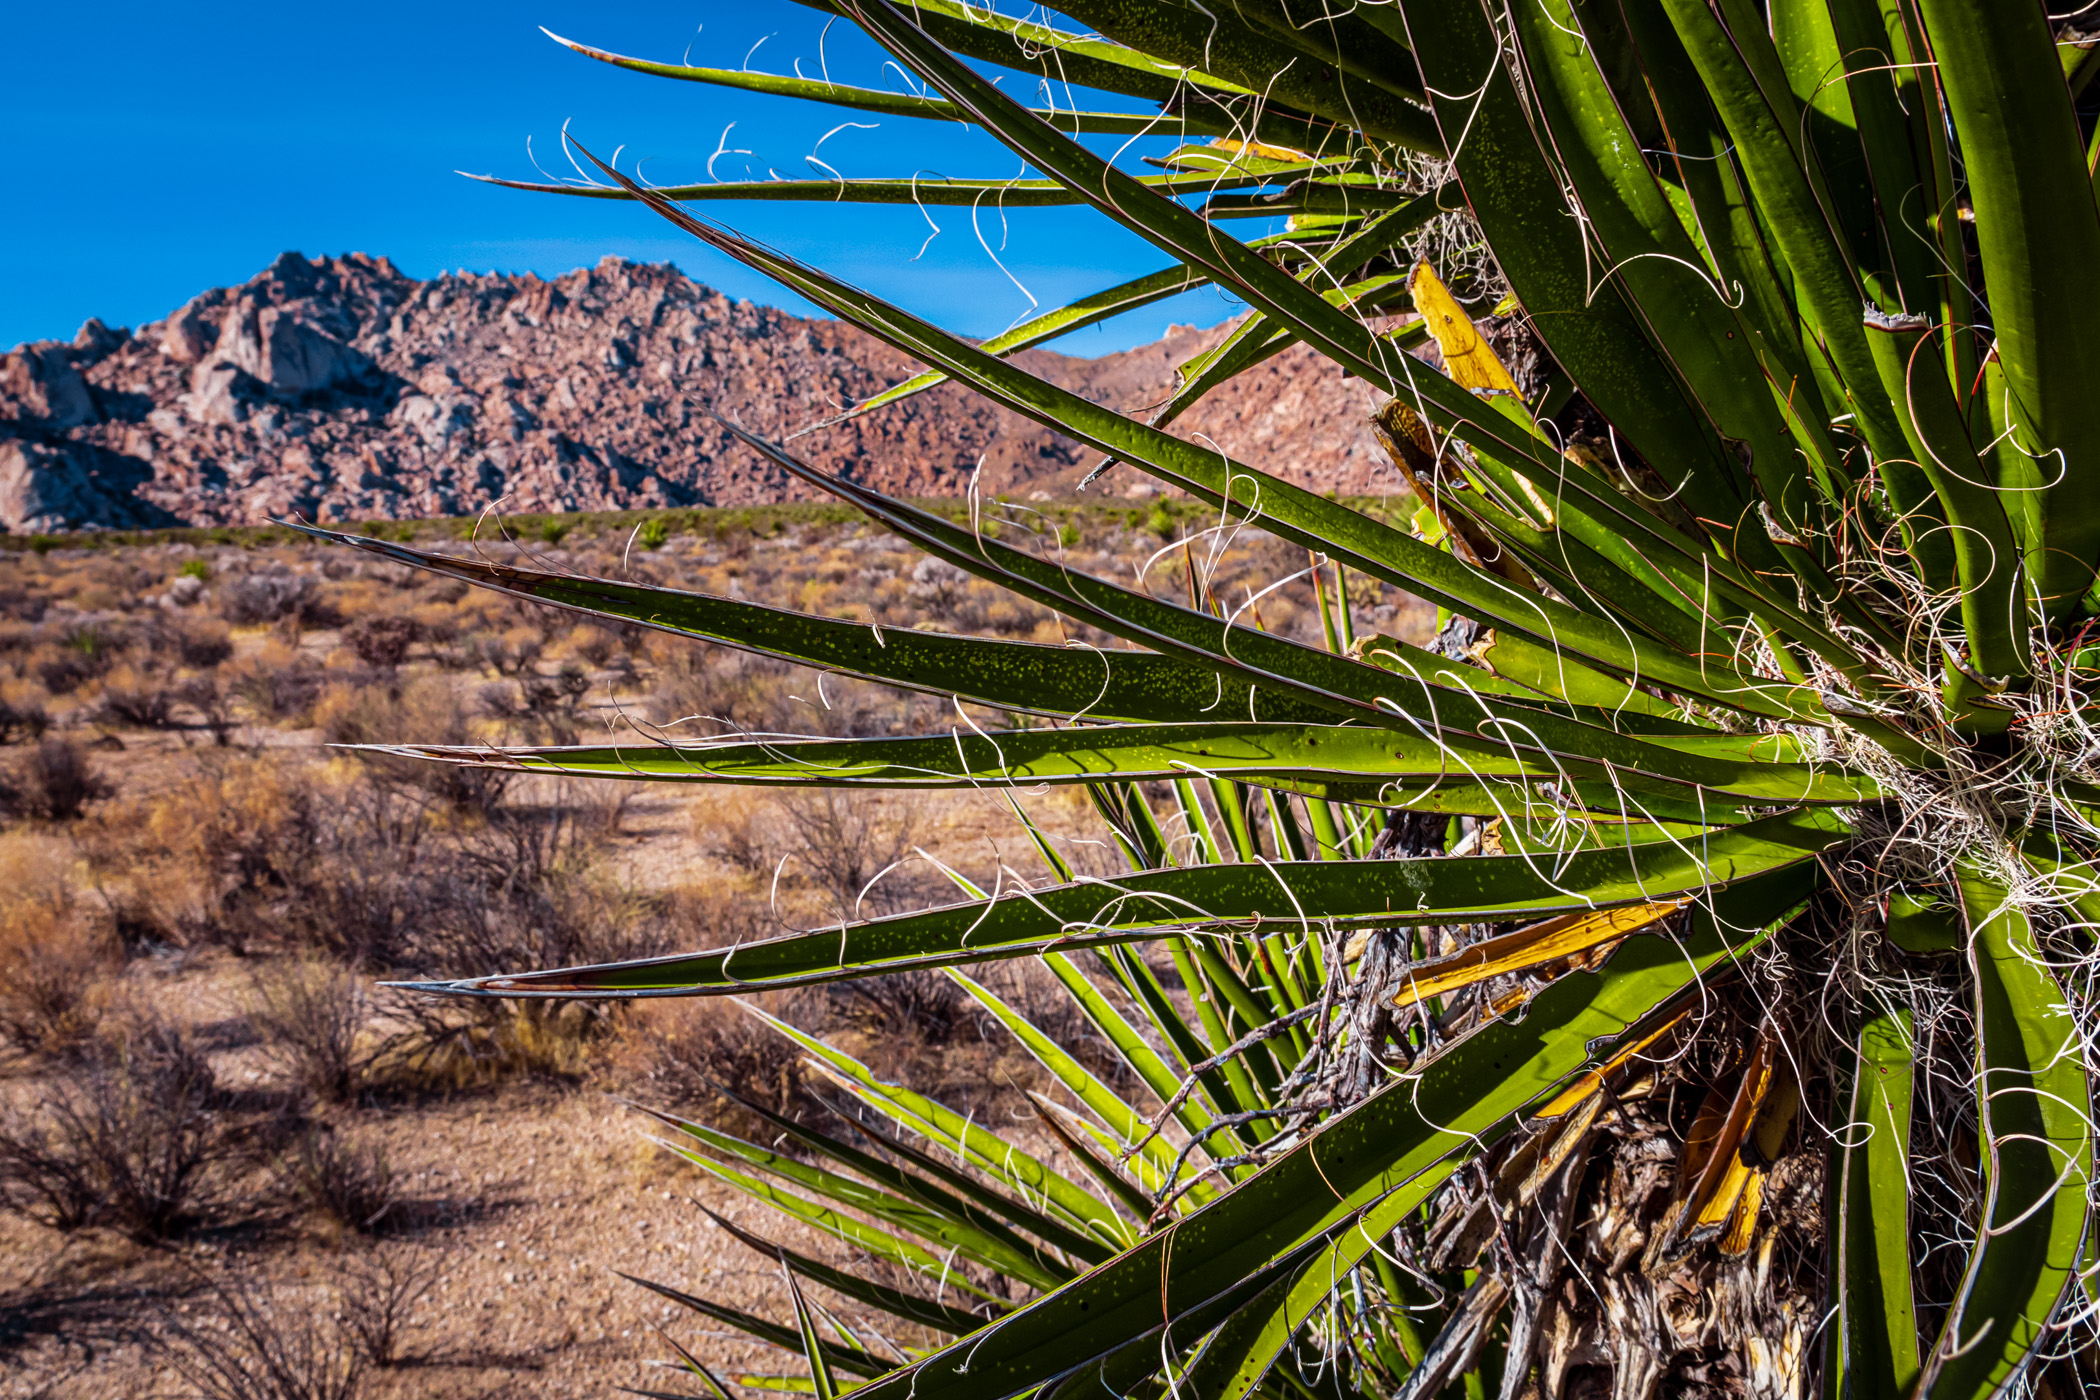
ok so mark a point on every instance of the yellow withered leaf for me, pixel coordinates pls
(1468, 358)
(1744, 1224)
(1543, 942)
(1714, 1173)
(1587, 1084)
(1260, 148)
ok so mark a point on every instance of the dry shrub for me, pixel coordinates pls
(21, 720)
(682, 1053)
(702, 690)
(252, 1340)
(924, 1006)
(515, 651)
(71, 656)
(55, 782)
(272, 594)
(204, 860)
(52, 966)
(351, 1188)
(203, 644)
(130, 1137)
(140, 699)
(382, 639)
(424, 710)
(277, 682)
(600, 646)
(834, 844)
(312, 1016)
(213, 705)
(527, 891)
(380, 1287)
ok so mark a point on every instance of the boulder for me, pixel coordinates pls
(285, 352)
(39, 384)
(189, 334)
(57, 487)
(95, 341)
(219, 393)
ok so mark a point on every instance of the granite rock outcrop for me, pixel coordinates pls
(342, 389)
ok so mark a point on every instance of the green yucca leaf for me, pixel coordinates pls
(1037, 330)
(1591, 330)
(927, 1214)
(887, 1245)
(2033, 1107)
(1221, 43)
(1268, 897)
(2037, 236)
(821, 1382)
(1240, 1353)
(891, 104)
(1375, 236)
(933, 189)
(851, 1360)
(1740, 70)
(1021, 1171)
(1875, 1340)
(1987, 555)
(1060, 55)
(1358, 763)
(1125, 1122)
(1689, 315)
(1023, 676)
(907, 1307)
(1287, 510)
(1388, 554)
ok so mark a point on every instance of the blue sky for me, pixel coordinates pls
(164, 149)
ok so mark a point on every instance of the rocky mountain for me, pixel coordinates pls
(342, 389)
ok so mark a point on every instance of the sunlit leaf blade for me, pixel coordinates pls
(891, 104)
(1323, 760)
(932, 1217)
(1243, 898)
(823, 1386)
(1236, 1359)
(2038, 239)
(847, 1359)
(961, 1135)
(1023, 676)
(938, 190)
(908, 1307)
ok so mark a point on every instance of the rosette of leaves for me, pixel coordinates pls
(1679, 974)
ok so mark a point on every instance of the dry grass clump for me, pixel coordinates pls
(52, 970)
(275, 593)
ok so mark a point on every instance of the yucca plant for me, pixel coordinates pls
(1678, 978)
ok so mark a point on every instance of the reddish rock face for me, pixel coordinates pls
(339, 389)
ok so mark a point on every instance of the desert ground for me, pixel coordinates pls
(233, 1163)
